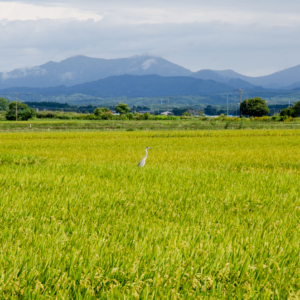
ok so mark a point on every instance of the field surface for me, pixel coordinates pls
(114, 125)
(213, 215)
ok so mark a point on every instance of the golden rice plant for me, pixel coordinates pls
(211, 215)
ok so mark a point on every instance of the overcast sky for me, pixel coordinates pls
(251, 37)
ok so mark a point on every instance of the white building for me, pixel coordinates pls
(167, 113)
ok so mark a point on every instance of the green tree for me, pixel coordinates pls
(255, 107)
(24, 113)
(102, 110)
(27, 114)
(289, 112)
(210, 110)
(3, 103)
(122, 108)
(296, 109)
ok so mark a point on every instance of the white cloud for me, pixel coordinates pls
(265, 12)
(22, 11)
(148, 63)
(253, 37)
(23, 72)
(66, 76)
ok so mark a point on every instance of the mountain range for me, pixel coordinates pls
(137, 76)
(133, 86)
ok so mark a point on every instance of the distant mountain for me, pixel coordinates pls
(236, 83)
(81, 69)
(294, 86)
(278, 80)
(134, 86)
(210, 75)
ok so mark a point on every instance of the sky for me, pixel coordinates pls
(250, 37)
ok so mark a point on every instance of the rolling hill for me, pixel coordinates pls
(133, 86)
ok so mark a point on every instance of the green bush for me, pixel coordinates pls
(27, 114)
(46, 114)
(276, 118)
(296, 109)
(3, 104)
(106, 116)
(147, 116)
(99, 111)
(11, 113)
(289, 111)
(130, 116)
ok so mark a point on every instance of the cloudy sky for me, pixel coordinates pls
(254, 37)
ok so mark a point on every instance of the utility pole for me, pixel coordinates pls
(168, 106)
(16, 106)
(240, 90)
(227, 105)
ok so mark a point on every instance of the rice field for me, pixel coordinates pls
(213, 215)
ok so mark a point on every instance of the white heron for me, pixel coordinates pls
(143, 161)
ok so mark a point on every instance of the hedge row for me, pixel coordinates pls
(75, 116)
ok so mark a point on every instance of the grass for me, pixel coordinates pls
(117, 125)
(211, 216)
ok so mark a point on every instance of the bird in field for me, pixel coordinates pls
(143, 161)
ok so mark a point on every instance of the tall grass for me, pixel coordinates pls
(208, 217)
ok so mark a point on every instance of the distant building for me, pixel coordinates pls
(114, 112)
(167, 113)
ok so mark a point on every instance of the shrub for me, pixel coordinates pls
(160, 117)
(147, 116)
(106, 116)
(11, 113)
(289, 119)
(276, 118)
(289, 111)
(63, 117)
(91, 117)
(121, 117)
(263, 119)
(46, 114)
(130, 116)
(296, 109)
(102, 110)
(235, 119)
(27, 114)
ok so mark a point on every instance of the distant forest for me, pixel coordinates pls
(178, 111)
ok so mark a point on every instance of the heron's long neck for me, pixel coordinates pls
(146, 154)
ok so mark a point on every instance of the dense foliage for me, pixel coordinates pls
(122, 108)
(296, 108)
(3, 104)
(255, 107)
(289, 112)
(102, 110)
(20, 111)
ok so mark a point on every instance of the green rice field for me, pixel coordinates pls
(212, 215)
